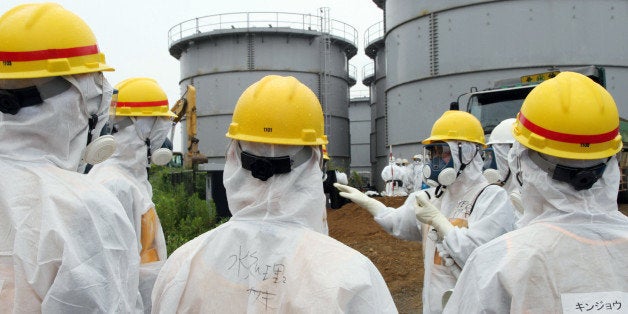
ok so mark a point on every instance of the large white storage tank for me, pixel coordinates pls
(436, 50)
(221, 55)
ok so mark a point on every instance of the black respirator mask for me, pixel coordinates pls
(262, 167)
(578, 178)
(12, 100)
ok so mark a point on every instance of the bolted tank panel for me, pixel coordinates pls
(437, 50)
(401, 11)
(221, 55)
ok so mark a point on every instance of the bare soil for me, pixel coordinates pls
(400, 262)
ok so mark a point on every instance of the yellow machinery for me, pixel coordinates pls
(186, 107)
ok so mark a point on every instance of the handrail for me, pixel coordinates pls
(353, 71)
(374, 33)
(368, 70)
(248, 20)
(359, 93)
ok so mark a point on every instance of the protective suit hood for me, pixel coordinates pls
(155, 129)
(472, 173)
(56, 130)
(294, 197)
(550, 200)
(131, 152)
(507, 177)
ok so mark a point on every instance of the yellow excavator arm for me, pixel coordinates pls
(186, 107)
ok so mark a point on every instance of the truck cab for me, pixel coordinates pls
(493, 106)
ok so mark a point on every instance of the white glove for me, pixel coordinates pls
(427, 213)
(353, 194)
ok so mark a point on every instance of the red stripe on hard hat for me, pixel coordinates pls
(22, 56)
(567, 138)
(143, 103)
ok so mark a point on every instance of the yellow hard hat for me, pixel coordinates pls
(142, 97)
(455, 125)
(325, 155)
(43, 40)
(569, 116)
(278, 110)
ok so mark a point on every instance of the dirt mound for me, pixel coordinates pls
(400, 262)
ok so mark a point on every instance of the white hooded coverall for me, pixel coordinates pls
(417, 176)
(510, 184)
(125, 175)
(390, 174)
(501, 152)
(492, 216)
(408, 179)
(272, 256)
(569, 253)
(66, 245)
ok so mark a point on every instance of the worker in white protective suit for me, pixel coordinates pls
(143, 122)
(417, 173)
(273, 255)
(393, 176)
(66, 245)
(496, 168)
(407, 177)
(570, 252)
(472, 212)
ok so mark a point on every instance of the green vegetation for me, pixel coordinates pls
(183, 212)
(355, 180)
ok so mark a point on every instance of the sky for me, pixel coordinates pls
(133, 34)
